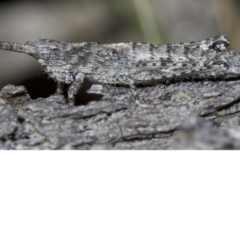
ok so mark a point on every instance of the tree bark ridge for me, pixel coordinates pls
(184, 115)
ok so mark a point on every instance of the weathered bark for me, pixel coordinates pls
(184, 115)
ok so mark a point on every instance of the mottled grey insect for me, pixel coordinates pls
(130, 64)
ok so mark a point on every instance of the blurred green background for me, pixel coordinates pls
(106, 21)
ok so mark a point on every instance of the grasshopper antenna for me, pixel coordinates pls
(18, 47)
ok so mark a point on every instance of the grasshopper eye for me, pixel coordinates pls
(44, 54)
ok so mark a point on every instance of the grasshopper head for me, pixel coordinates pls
(43, 48)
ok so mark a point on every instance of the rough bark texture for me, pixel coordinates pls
(185, 115)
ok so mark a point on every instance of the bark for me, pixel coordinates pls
(184, 115)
